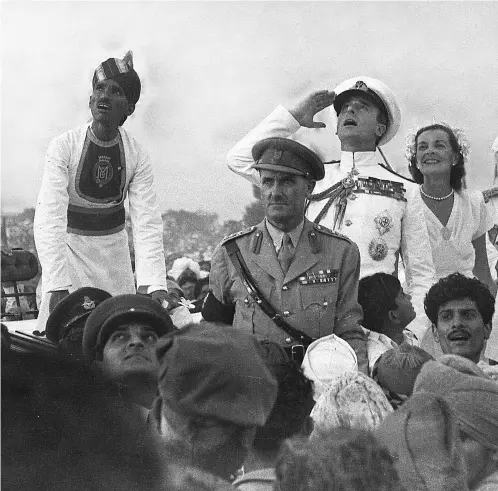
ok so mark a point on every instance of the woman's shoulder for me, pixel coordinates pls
(471, 194)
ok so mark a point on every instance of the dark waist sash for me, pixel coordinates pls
(95, 221)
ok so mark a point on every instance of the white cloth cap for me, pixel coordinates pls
(181, 264)
(326, 359)
(387, 97)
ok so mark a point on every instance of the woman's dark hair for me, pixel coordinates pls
(457, 171)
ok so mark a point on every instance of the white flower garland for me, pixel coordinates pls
(463, 144)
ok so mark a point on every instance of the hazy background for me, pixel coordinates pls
(212, 70)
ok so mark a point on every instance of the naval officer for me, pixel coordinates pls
(359, 196)
(288, 268)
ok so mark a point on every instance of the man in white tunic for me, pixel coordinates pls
(358, 197)
(79, 224)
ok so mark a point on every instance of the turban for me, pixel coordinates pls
(424, 438)
(472, 400)
(215, 372)
(352, 400)
(122, 72)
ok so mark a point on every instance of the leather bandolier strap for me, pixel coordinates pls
(245, 275)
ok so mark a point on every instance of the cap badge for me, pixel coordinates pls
(360, 86)
(88, 304)
(277, 155)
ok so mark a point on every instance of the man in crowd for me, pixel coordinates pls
(387, 310)
(461, 310)
(305, 276)
(119, 342)
(445, 436)
(290, 416)
(79, 224)
(214, 391)
(358, 197)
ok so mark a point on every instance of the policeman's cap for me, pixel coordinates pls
(284, 155)
(119, 310)
(72, 311)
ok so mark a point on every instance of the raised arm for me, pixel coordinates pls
(281, 123)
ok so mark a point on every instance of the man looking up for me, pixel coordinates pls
(79, 224)
(119, 342)
(307, 274)
(358, 196)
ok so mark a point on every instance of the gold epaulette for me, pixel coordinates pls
(246, 231)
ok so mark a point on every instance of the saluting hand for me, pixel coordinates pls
(304, 111)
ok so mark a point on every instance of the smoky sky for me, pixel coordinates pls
(212, 70)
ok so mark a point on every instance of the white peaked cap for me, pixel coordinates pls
(383, 92)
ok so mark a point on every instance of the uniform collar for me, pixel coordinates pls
(277, 235)
(360, 159)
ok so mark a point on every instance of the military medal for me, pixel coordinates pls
(383, 222)
(378, 249)
(446, 233)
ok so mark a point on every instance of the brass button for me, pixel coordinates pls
(286, 313)
(285, 288)
(288, 340)
(325, 303)
(348, 223)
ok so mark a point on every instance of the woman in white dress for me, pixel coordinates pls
(456, 218)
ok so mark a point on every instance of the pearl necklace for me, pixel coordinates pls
(435, 198)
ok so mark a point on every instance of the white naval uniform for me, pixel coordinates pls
(72, 257)
(403, 232)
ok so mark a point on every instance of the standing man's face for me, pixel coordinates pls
(130, 351)
(460, 329)
(284, 196)
(108, 103)
(357, 123)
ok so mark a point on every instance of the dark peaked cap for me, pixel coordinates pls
(73, 310)
(114, 311)
(284, 155)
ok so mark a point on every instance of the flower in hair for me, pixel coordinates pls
(461, 138)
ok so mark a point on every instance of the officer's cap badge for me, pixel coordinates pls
(360, 85)
(88, 304)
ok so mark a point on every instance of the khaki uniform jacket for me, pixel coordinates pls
(318, 295)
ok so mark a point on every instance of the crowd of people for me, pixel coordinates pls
(298, 358)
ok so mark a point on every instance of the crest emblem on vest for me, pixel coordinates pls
(102, 171)
(88, 304)
(360, 86)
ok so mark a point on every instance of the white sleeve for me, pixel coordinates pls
(484, 215)
(147, 225)
(419, 268)
(50, 222)
(280, 123)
